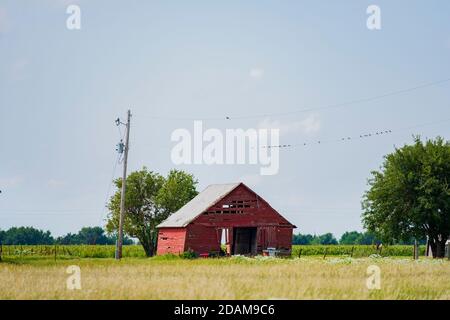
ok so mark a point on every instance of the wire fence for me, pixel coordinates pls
(69, 251)
(136, 251)
(356, 251)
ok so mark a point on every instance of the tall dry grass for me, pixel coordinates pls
(236, 278)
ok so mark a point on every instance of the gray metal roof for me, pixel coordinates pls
(191, 210)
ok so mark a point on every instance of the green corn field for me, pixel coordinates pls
(136, 251)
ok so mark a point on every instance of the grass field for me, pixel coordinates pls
(311, 277)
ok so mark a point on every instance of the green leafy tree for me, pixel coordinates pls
(302, 239)
(149, 199)
(177, 190)
(306, 239)
(26, 235)
(93, 235)
(410, 195)
(350, 237)
(355, 237)
(367, 238)
(69, 238)
(326, 239)
(112, 239)
(90, 236)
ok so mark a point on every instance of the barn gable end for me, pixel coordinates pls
(239, 218)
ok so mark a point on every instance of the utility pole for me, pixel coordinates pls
(124, 179)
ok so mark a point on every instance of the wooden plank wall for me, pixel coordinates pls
(171, 240)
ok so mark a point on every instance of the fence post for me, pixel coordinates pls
(416, 250)
(325, 254)
(300, 253)
(351, 254)
(55, 251)
(447, 249)
(1, 251)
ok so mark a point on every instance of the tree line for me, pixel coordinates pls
(98, 236)
(32, 236)
(348, 238)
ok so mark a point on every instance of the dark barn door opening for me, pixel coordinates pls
(244, 241)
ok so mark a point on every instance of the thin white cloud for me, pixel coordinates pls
(256, 73)
(309, 125)
(10, 182)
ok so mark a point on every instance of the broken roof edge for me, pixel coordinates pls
(293, 225)
(166, 223)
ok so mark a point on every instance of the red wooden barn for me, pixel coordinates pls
(229, 214)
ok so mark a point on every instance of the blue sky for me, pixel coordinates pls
(60, 91)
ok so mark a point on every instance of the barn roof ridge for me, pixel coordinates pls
(205, 199)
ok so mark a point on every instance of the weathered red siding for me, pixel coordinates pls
(202, 239)
(171, 240)
(241, 208)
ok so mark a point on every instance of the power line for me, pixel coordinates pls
(358, 137)
(318, 142)
(309, 109)
(111, 181)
